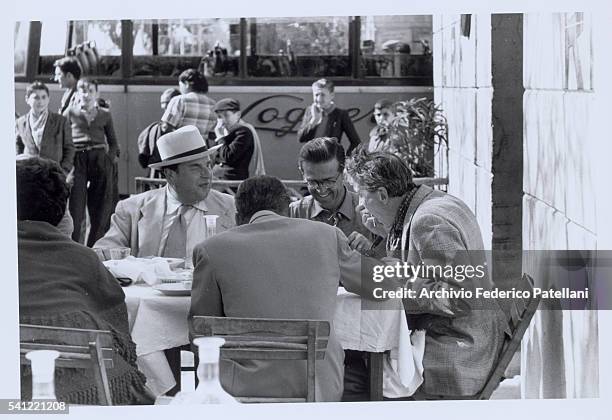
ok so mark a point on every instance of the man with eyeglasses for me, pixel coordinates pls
(321, 162)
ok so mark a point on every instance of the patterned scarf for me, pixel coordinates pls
(37, 126)
(394, 239)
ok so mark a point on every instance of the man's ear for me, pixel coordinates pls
(170, 175)
(240, 219)
(383, 195)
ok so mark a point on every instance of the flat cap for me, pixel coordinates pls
(227, 104)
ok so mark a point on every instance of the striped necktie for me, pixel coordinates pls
(176, 245)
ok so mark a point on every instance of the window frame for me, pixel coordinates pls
(356, 77)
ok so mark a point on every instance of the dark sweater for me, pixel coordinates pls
(99, 131)
(338, 122)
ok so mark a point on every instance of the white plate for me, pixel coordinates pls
(174, 289)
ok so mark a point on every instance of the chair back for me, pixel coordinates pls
(521, 313)
(268, 339)
(78, 348)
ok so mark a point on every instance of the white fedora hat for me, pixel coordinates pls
(182, 145)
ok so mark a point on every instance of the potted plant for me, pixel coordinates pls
(416, 132)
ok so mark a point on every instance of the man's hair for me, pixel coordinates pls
(261, 193)
(195, 79)
(169, 94)
(69, 65)
(42, 191)
(379, 169)
(173, 168)
(36, 86)
(322, 149)
(88, 81)
(324, 84)
(383, 104)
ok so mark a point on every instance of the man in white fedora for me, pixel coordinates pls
(170, 221)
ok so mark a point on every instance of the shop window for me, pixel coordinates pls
(298, 47)
(396, 46)
(167, 47)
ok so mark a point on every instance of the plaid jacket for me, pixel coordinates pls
(462, 343)
(191, 109)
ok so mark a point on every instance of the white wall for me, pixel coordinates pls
(462, 85)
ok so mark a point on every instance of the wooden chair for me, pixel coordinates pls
(78, 348)
(521, 313)
(268, 339)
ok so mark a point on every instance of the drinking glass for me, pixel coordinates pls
(211, 225)
(120, 253)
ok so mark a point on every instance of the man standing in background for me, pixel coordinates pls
(67, 74)
(324, 119)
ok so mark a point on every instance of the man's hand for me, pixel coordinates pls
(359, 242)
(70, 178)
(317, 115)
(220, 128)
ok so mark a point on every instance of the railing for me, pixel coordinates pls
(296, 187)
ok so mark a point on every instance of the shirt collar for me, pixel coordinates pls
(347, 208)
(173, 203)
(263, 215)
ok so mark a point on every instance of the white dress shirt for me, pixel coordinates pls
(195, 222)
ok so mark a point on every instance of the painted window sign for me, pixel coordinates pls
(282, 114)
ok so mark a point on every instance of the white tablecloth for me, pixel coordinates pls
(158, 322)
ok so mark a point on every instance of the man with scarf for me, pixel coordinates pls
(45, 134)
(429, 228)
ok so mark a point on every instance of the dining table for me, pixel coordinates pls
(159, 326)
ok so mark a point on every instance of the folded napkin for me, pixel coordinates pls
(147, 270)
(403, 371)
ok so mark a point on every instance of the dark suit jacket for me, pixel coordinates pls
(338, 122)
(276, 267)
(56, 142)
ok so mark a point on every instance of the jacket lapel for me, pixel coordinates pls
(27, 138)
(150, 223)
(47, 137)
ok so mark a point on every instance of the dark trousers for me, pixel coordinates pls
(356, 376)
(94, 175)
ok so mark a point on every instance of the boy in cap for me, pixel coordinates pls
(240, 153)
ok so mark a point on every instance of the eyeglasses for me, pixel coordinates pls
(324, 184)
